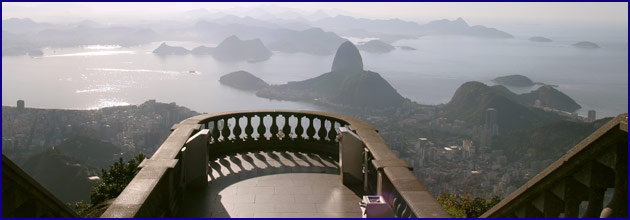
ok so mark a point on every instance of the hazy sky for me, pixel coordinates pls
(563, 12)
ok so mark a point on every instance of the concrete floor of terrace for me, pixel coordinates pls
(273, 184)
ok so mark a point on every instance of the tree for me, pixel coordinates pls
(464, 206)
(79, 207)
(115, 179)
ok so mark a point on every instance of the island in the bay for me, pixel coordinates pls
(540, 39)
(230, 49)
(513, 80)
(347, 84)
(586, 45)
(165, 50)
(406, 48)
(376, 46)
(243, 80)
(235, 49)
(544, 96)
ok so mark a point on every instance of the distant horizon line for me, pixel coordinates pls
(470, 11)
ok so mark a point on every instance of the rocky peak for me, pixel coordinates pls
(460, 21)
(347, 59)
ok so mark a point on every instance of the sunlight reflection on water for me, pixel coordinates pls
(137, 70)
(101, 47)
(109, 102)
(94, 53)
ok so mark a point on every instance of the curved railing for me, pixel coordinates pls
(157, 190)
(581, 177)
(314, 131)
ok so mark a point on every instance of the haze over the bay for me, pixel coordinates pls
(441, 46)
(475, 12)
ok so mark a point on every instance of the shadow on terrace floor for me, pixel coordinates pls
(272, 184)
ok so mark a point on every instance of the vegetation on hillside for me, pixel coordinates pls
(471, 100)
(346, 85)
(545, 142)
(79, 207)
(113, 182)
(551, 97)
(514, 80)
(64, 176)
(99, 153)
(115, 179)
(465, 206)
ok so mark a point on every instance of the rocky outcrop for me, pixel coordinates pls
(165, 49)
(551, 97)
(230, 49)
(202, 50)
(376, 46)
(540, 39)
(235, 49)
(347, 58)
(472, 99)
(346, 85)
(586, 45)
(406, 48)
(461, 27)
(513, 80)
(243, 80)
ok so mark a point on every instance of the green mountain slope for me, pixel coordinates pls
(64, 176)
(471, 99)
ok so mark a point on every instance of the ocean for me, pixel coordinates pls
(97, 76)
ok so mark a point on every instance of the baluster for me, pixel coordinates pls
(237, 128)
(411, 214)
(287, 128)
(406, 211)
(322, 129)
(617, 208)
(215, 132)
(572, 208)
(274, 127)
(528, 210)
(310, 131)
(225, 132)
(573, 194)
(549, 204)
(299, 129)
(332, 133)
(249, 129)
(598, 178)
(397, 205)
(261, 128)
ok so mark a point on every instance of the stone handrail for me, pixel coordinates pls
(157, 189)
(583, 174)
(24, 197)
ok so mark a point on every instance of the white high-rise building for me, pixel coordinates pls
(591, 116)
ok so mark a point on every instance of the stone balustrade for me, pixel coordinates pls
(578, 184)
(24, 197)
(157, 190)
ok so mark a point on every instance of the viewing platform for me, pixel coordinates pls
(273, 164)
(314, 164)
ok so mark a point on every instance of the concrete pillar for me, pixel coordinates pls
(351, 157)
(195, 160)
